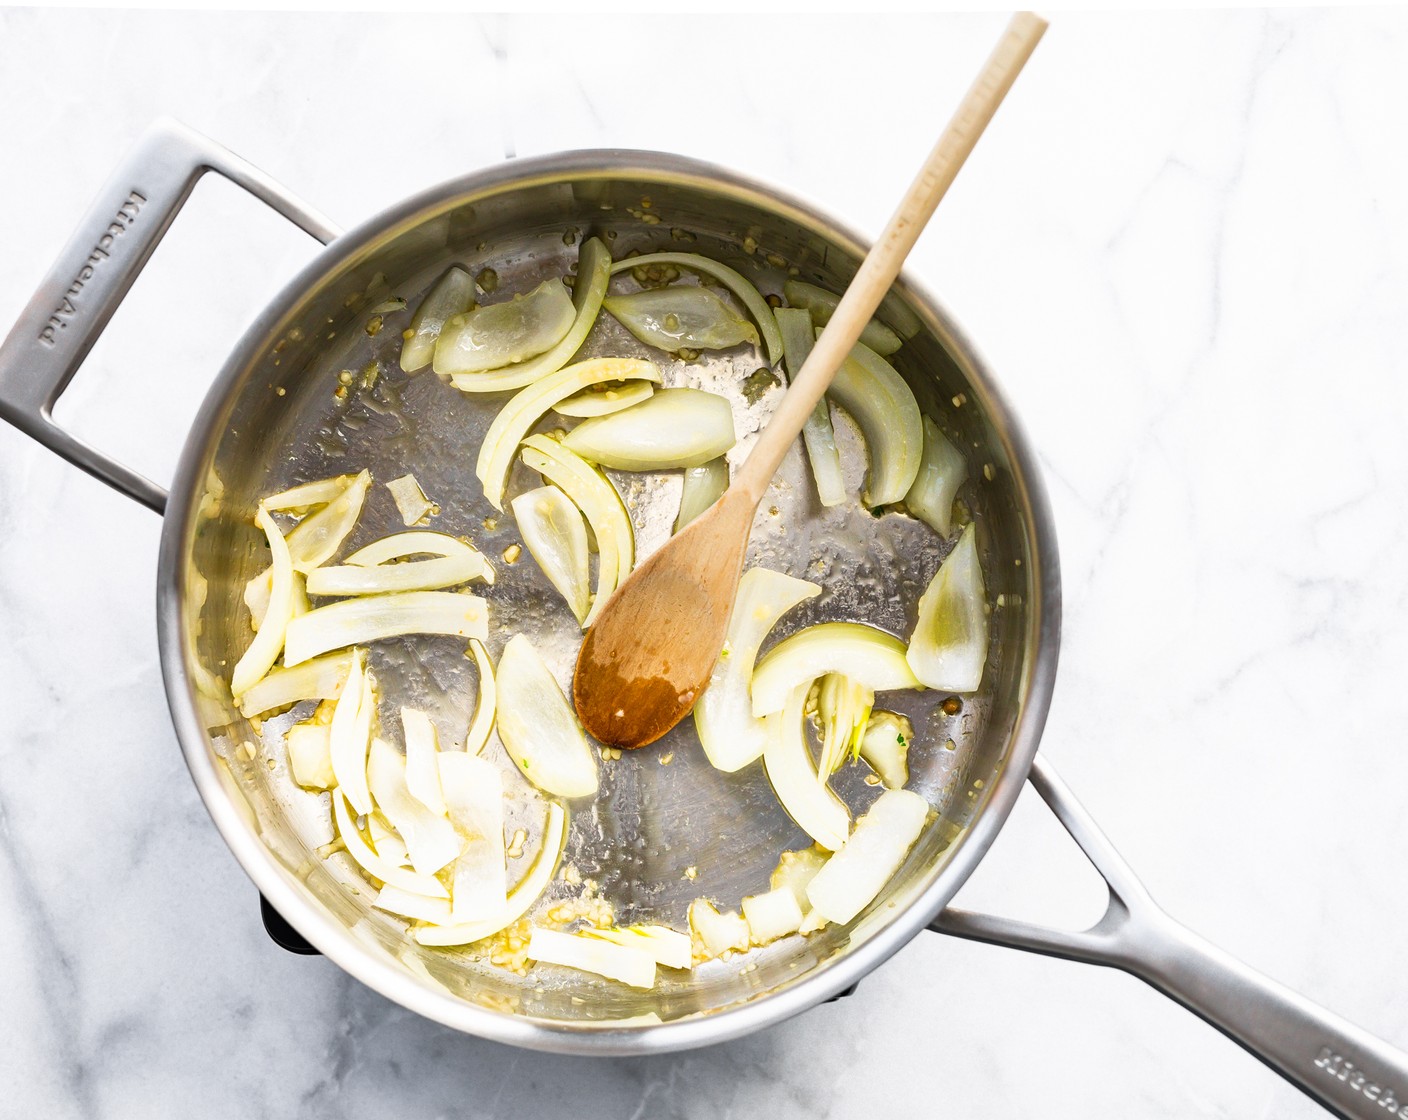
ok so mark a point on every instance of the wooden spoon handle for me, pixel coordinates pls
(882, 264)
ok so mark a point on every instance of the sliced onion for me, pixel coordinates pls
(885, 747)
(855, 875)
(309, 757)
(350, 735)
(949, 645)
(411, 502)
(635, 967)
(520, 899)
(798, 338)
(599, 502)
(674, 428)
(539, 730)
(378, 868)
(771, 915)
(942, 470)
(795, 870)
(843, 706)
(556, 536)
(715, 933)
(358, 621)
(681, 318)
(883, 404)
(259, 658)
(703, 486)
(517, 418)
(868, 656)
(822, 305)
(430, 837)
(318, 536)
(422, 770)
(319, 679)
(474, 794)
(486, 706)
(507, 333)
(408, 905)
(386, 841)
(452, 295)
(734, 281)
(669, 947)
(818, 812)
(593, 275)
(418, 542)
(602, 400)
(308, 494)
(731, 735)
(455, 563)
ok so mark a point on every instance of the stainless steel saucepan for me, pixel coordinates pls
(666, 826)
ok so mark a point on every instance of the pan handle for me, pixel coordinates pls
(1344, 1068)
(96, 269)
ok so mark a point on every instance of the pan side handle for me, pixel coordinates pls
(96, 269)
(1347, 1070)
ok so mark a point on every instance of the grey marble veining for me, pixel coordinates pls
(1183, 247)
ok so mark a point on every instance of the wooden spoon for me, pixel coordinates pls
(652, 649)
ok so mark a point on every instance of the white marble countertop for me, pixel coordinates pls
(1183, 247)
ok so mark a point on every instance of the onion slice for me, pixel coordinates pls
(855, 875)
(949, 645)
(373, 864)
(517, 418)
(771, 915)
(843, 706)
(422, 770)
(309, 755)
(818, 812)
(715, 933)
(669, 947)
(308, 494)
(683, 317)
(367, 571)
(817, 434)
(593, 276)
(474, 794)
(635, 967)
(520, 899)
(351, 733)
(883, 404)
(319, 679)
(602, 400)
(417, 906)
(430, 837)
(868, 656)
(264, 650)
(674, 428)
(411, 502)
(538, 727)
(731, 279)
(318, 536)
(556, 536)
(795, 870)
(942, 470)
(417, 542)
(822, 304)
(486, 706)
(703, 486)
(358, 621)
(885, 747)
(506, 334)
(452, 295)
(731, 735)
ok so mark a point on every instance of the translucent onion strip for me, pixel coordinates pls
(843, 706)
(602, 400)
(798, 337)
(868, 656)
(422, 770)
(373, 864)
(455, 563)
(430, 837)
(949, 646)
(703, 486)
(452, 295)
(883, 404)
(517, 418)
(593, 276)
(818, 812)
(674, 428)
(855, 875)
(632, 966)
(319, 679)
(669, 947)
(681, 317)
(372, 617)
(351, 734)
(556, 537)
(942, 470)
(318, 536)
(506, 334)
(310, 755)
(538, 727)
(309, 494)
(731, 279)
(259, 658)
(486, 707)
(417, 906)
(474, 794)
(771, 915)
(416, 542)
(822, 304)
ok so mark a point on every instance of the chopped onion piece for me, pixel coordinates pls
(822, 305)
(635, 967)
(843, 706)
(418, 542)
(319, 679)
(818, 812)
(771, 915)
(422, 770)
(309, 494)
(674, 428)
(520, 899)
(592, 493)
(669, 947)
(455, 563)
(681, 318)
(378, 868)
(855, 875)
(703, 486)
(814, 921)
(734, 281)
(318, 536)
(259, 658)
(885, 747)
(517, 418)
(474, 793)
(949, 645)
(795, 870)
(452, 295)
(386, 841)
(715, 933)
(351, 733)
(486, 706)
(507, 333)
(883, 404)
(817, 434)
(731, 735)
(556, 536)
(538, 726)
(868, 656)
(430, 837)
(357, 621)
(601, 400)
(942, 470)
(415, 508)
(407, 905)
(593, 275)
(309, 755)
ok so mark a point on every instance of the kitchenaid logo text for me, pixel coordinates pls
(1338, 1066)
(68, 306)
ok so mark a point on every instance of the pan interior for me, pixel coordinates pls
(666, 827)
